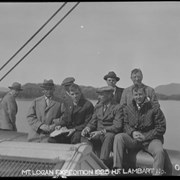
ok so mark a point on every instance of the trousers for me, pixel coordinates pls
(123, 141)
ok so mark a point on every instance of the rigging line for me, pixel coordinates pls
(33, 36)
(41, 40)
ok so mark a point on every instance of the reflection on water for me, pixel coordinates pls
(170, 108)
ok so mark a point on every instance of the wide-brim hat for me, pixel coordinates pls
(105, 89)
(68, 81)
(16, 86)
(111, 74)
(47, 84)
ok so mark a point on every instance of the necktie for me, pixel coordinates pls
(47, 101)
(104, 109)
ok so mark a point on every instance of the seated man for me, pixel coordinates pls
(64, 94)
(105, 123)
(43, 112)
(144, 126)
(76, 117)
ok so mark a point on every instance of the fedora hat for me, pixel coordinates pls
(68, 81)
(105, 89)
(111, 74)
(16, 86)
(48, 84)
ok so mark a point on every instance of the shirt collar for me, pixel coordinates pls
(47, 98)
(140, 106)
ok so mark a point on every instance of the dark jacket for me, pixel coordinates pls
(111, 120)
(118, 94)
(149, 120)
(77, 116)
(8, 112)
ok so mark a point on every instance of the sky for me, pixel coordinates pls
(97, 37)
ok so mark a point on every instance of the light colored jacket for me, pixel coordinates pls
(8, 111)
(39, 114)
(127, 95)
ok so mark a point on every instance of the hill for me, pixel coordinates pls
(169, 89)
(32, 90)
(3, 89)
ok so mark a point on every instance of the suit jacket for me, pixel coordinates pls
(77, 116)
(127, 95)
(149, 120)
(39, 114)
(8, 111)
(111, 119)
(118, 94)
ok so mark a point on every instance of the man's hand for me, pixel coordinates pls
(141, 137)
(52, 127)
(138, 136)
(71, 131)
(45, 128)
(85, 131)
(56, 121)
(95, 134)
(57, 127)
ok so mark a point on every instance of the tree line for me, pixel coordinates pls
(32, 90)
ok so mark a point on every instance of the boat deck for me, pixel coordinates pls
(6, 135)
(142, 159)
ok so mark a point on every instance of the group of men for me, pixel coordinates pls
(122, 119)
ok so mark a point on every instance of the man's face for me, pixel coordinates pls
(111, 82)
(136, 78)
(67, 87)
(48, 92)
(139, 96)
(104, 96)
(75, 95)
(15, 92)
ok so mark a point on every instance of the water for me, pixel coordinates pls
(171, 111)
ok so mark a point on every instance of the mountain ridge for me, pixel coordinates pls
(168, 89)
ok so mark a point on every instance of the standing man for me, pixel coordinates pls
(111, 80)
(44, 113)
(106, 121)
(144, 127)
(77, 116)
(9, 108)
(136, 77)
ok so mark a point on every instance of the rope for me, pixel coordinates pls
(33, 36)
(41, 40)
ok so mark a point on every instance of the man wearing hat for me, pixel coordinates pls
(9, 108)
(106, 121)
(44, 113)
(111, 80)
(65, 94)
(66, 83)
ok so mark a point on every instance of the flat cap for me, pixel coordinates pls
(68, 81)
(105, 89)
